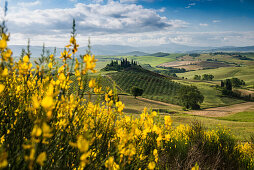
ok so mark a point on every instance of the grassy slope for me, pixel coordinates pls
(241, 130)
(153, 60)
(223, 58)
(212, 96)
(155, 86)
(240, 117)
(136, 106)
(245, 73)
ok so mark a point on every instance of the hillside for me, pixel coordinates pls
(122, 50)
(160, 54)
(134, 53)
(226, 49)
(155, 86)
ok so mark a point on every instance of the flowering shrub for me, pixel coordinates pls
(44, 125)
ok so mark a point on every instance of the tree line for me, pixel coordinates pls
(114, 65)
(208, 77)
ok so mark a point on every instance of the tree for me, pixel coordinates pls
(191, 97)
(222, 84)
(197, 77)
(136, 91)
(237, 82)
(208, 77)
(228, 85)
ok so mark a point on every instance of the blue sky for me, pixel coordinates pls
(133, 22)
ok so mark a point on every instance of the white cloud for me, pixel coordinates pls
(190, 5)
(112, 23)
(128, 1)
(113, 17)
(28, 4)
(216, 21)
(161, 10)
(98, 1)
(203, 24)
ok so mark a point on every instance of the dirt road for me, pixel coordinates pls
(212, 112)
(223, 111)
(158, 102)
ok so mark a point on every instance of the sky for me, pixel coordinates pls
(206, 23)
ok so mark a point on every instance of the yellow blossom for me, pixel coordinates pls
(72, 40)
(65, 55)
(61, 69)
(154, 113)
(51, 56)
(41, 158)
(36, 103)
(196, 167)
(1, 88)
(120, 106)
(92, 83)
(62, 77)
(90, 62)
(36, 131)
(83, 159)
(50, 65)
(3, 160)
(110, 93)
(168, 120)
(2, 140)
(82, 144)
(26, 59)
(7, 54)
(5, 72)
(46, 130)
(47, 102)
(3, 44)
(151, 165)
(109, 163)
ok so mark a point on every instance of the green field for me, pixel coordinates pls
(213, 97)
(244, 73)
(226, 58)
(136, 106)
(241, 130)
(240, 117)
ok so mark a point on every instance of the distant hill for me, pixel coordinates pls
(159, 54)
(35, 50)
(134, 53)
(238, 49)
(138, 51)
(226, 49)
